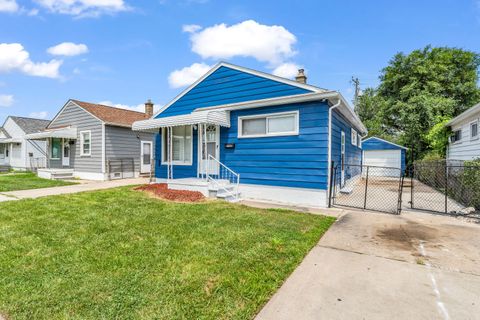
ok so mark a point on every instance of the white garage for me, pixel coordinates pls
(390, 157)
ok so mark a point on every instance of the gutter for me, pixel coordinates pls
(330, 112)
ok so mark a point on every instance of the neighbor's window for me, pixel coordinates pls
(2, 151)
(85, 143)
(181, 145)
(474, 130)
(456, 136)
(274, 124)
(56, 148)
(354, 137)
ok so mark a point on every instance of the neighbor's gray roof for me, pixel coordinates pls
(30, 125)
(5, 132)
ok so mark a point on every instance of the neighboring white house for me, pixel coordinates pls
(464, 143)
(16, 151)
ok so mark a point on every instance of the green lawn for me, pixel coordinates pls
(27, 180)
(121, 254)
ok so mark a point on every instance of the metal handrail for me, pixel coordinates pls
(227, 174)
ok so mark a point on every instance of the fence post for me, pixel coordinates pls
(332, 177)
(366, 190)
(412, 172)
(446, 188)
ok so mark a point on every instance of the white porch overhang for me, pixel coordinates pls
(66, 133)
(216, 117)
(11, 140)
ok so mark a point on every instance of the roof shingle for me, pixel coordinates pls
(30, 125)
(112, 115)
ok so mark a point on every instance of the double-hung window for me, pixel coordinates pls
(85, 143)
(474, 130)
(354, 137)
(179, 147)
(266, 125)
(359, 138)
(56, 148)
(456, 136)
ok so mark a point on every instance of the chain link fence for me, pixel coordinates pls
(367, 187)
(446, 186)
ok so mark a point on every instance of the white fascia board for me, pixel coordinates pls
(242, 69)
(304, 97)
(464, 115)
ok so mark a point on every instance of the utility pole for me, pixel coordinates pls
(356, 83)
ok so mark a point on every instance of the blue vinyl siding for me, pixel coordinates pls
(227, 85)
(377, 144)
(178, 171)
(353, 154)
(290, 161)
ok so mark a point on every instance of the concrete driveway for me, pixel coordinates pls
(379, 266)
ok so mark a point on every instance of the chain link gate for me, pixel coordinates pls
(367, 187)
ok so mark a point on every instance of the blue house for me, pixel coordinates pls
(382, 153)
(238, 132)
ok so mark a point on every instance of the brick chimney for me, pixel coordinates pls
(301, 77)
(149, 108)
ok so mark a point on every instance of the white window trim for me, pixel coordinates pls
(359, 141)
(177, 163)
(269, 115)
(61, 149)
(353, 134)
(82, 153)
(478, 133)
(461, 136)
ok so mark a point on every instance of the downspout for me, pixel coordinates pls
(336, 105)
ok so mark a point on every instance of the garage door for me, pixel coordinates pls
(383, 158)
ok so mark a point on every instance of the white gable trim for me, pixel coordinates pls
(463, 116)
(242, 69)
(67, 104)
(393, 144)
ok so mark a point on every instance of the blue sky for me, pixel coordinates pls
(122, 52)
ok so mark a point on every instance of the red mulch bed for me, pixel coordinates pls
(161, 190)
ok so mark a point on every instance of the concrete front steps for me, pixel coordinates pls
(221, 190)
(55, 174)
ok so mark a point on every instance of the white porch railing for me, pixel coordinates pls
(38, 163)
(224, 179)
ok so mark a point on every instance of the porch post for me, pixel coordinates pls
(207, 160)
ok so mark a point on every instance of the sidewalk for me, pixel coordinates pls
(86, 186)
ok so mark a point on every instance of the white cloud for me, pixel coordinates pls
(8, 6)
(271, 44)
(287, 70)
(13, 57)
(6, 100)
(38, 115)
(68, 49)
(188, 75)
(191, 28)
(138, 107)
(84, 8)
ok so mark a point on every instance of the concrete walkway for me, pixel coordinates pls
(83, 186)
(379, 266)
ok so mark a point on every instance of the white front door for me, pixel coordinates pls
(342, 161)
(66, 153)
(209, 145)
(146, 157)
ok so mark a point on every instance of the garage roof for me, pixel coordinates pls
(376, 143)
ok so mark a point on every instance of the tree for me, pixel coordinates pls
(417, 92)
